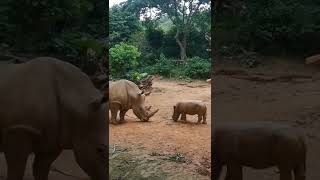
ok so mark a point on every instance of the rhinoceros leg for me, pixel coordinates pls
(184, 117)
(234, 172)
(204, 119)
(122, 114)
(114, 116)
(42, 163)
(199, 118)
(228, 176)
(114, 108)
(300, 172)
(18, 147)
(114, 113)
(285, 173)
(217, 168)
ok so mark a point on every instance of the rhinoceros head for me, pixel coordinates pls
(175, 115)
(142, 112)
(90, 141)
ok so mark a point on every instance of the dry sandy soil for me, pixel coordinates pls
(172, 150)
(292, 101)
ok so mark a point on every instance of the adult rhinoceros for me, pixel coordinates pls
(125, 95)
(46, 106)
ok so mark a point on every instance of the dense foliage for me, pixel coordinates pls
(72, 29)
(123, 57)
(274, 27)
(155, 38)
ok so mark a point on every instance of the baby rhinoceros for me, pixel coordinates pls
(259, 145)
(190, 107)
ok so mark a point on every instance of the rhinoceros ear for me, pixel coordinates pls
(140, 93)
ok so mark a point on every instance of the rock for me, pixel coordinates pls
(208, 80)
(313, 59)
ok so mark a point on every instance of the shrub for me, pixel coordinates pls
(81, 49)
(197, 68)
(249, 59)
(163, 66)
(123, 57)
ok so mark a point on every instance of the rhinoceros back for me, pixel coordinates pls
(44, 94)
(123, 91)
(259, 144)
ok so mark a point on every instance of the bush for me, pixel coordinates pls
(163, 66)
(197, 68)
(123, 58)
(249, 59)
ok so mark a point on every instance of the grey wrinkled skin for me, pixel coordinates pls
(259, 145)
(46, 106)
(125, 95)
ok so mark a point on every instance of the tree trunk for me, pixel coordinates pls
(182, 45)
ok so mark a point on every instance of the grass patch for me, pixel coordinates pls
(179, 158)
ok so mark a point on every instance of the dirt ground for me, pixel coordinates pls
(292, 101)
(64, 168)
(161, 148)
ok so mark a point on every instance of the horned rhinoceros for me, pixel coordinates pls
(125, 95)
(259, 145)
(48, 105)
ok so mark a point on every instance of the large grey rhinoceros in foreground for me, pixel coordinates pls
(46, 106)
(125, 95)
(259, 145)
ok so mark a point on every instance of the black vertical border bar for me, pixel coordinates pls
(213, 13)
(106, 64)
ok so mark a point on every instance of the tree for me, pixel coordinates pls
(122, 25)
(181, 12)
(123, 57)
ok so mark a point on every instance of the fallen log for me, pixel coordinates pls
(146, 84)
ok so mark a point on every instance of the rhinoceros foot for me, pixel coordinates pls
(113, 122)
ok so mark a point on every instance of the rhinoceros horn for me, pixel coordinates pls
(148, 108)
(153, 113)
(147, 93)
